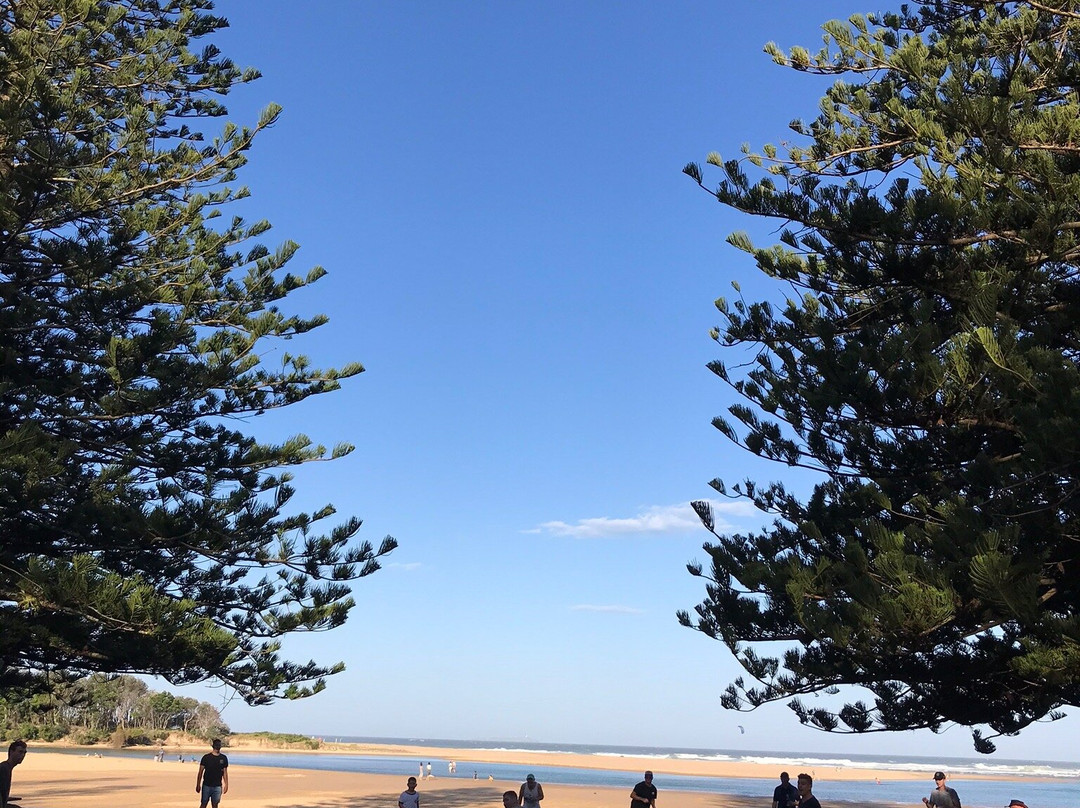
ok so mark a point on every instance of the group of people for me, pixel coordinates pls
(528, 796)
(786, 795)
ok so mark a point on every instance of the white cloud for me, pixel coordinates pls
(408, 567)
(588, 607)
(656, 519)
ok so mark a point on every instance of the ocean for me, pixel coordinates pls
(1041, 784)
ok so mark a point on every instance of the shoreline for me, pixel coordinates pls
(688, 767)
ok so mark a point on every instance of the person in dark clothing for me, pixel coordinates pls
(15, 754)
(644, 793)
(784, 795)
(212, 781)
(806, 793)
(942, 796)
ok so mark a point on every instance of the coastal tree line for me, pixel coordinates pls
(98, 708)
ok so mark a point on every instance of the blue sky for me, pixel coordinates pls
(514, 255)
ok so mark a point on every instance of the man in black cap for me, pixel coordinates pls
(1016, 804)
(942, 796)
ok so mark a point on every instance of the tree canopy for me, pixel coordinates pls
(104, 707)
(924, 362)
(142, 529)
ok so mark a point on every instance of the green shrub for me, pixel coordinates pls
(85, 737)
(52, 732)
(28, 732)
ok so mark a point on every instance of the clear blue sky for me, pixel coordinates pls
(514, 255)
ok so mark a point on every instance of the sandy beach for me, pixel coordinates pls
(53, 780)
(49, 779)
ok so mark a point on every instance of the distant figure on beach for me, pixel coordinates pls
(15, 753)
(806, 792)
(531, 793)
(421, 770)
(510, 799)
(785, 795)
(410, 797)
(942, 796)
(212, 781)
(474, 777)
(429, 769)
(644, 793)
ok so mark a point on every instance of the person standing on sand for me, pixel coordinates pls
(942, 796)
(806, 793)
(785, 795)
(212, 781)
(531, 793)
(15, 754)
(410, 797)
(644, 793)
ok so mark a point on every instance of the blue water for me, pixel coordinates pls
(1042, 784)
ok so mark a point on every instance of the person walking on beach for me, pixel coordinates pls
(212, 781)
(429, 769)
(15, 754)
(785, 795)
(531, 793)
(644, 793)
(942, 796)
(806, 793)
(410, 797)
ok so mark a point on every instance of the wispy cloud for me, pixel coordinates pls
(657, 519)
(409, 567)
(588, 607)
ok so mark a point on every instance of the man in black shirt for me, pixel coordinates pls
(213, 778)
(942, 796)
(644, 793)
(784, 795)
(16, 753)
(806, 793)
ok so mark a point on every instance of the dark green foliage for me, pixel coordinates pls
(120, 709)
(140, 529)
(925, 363)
